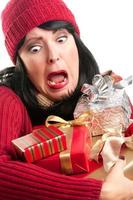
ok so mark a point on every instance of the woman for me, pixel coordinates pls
(51, 64)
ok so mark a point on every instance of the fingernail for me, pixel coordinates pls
(122, 157)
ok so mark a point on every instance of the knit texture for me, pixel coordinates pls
(20, 16)
(24, 181)
(44, 101)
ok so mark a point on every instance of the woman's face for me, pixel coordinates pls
(52, 62)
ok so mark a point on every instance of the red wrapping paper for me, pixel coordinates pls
(74, 160)
(41, 143)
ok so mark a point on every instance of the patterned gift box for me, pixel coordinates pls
(107, 120)
(74, 159)
(107, 105)
(41, 143)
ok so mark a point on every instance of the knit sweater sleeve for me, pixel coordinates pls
(24, 181)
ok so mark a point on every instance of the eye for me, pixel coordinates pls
(62, 39)
(35, 49)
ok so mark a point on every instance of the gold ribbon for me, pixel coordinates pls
(65, 158)
(59, 122)
(86, 119)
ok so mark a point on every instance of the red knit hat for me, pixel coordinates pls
(20, 16)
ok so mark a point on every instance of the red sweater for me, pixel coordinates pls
(24, 181)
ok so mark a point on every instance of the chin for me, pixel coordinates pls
(64, 96)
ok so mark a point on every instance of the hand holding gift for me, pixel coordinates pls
(116, 182)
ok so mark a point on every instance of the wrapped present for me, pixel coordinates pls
(41, 143)
(106, 103)
(75, 158)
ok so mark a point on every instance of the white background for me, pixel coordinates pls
(106, 27)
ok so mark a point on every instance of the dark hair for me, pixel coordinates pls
(17, 79)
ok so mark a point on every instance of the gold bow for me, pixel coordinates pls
(59, 122)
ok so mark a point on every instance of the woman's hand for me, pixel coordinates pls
(116, 185)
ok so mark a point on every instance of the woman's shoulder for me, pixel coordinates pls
(8, 95)
(13, 111)
(4, 90)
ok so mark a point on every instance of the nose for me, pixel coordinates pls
(53, 60)
(53, 56)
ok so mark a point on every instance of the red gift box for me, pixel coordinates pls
(74, 160)
(41, 143)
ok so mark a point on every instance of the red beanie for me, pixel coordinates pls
(20, 16)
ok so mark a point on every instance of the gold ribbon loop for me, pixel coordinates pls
(59, 122)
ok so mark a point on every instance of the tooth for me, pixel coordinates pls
(51, 82)
(64, 80)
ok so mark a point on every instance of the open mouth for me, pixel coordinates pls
(57, 80)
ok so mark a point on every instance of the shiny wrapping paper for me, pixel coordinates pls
(107, 120)
(107, 105)
(41, 143)
(75, 158)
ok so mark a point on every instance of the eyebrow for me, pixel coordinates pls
(32, 38)
(36, 38)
